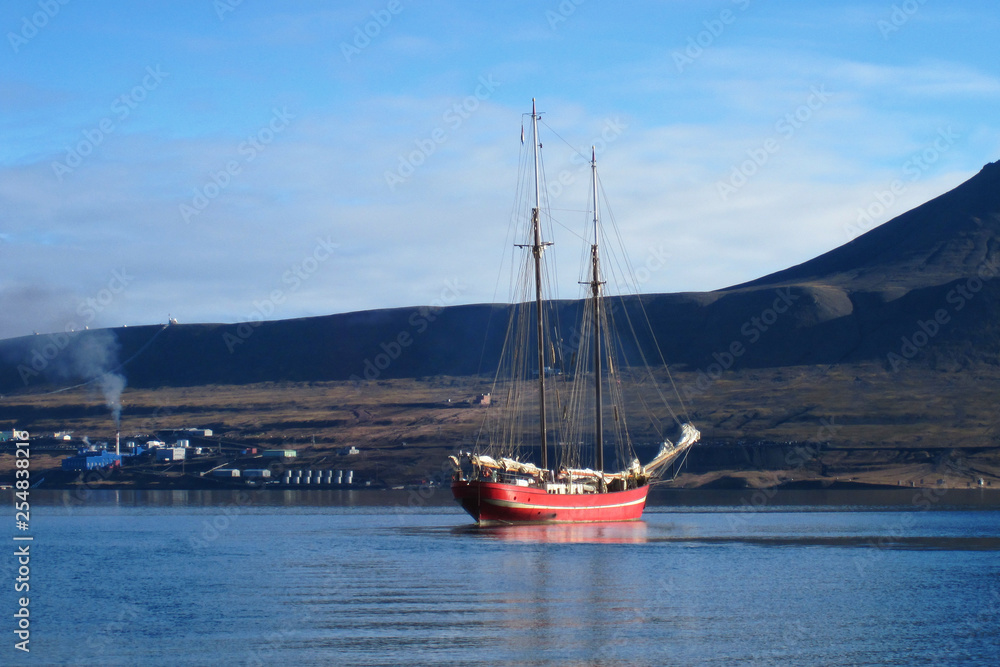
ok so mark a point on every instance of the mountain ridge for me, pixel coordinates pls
(971, 211)
(929, 269)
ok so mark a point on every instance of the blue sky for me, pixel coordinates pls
(227, 161)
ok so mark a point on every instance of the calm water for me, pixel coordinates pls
(320, 578)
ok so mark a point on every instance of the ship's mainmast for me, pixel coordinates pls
(537, 248)
(595, 292)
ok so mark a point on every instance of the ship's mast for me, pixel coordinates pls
(537, 248)
(595, 291)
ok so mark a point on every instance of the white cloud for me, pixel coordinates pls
(325, 175)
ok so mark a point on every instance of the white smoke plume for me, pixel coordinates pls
(112, 385)
(94, 357)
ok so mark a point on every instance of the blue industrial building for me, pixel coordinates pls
(92, 460)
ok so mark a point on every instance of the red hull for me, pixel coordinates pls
(493, 502)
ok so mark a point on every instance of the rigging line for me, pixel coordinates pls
(680, 465)
(490, 419)
(511, 223)
(642, 309)
(666, 367)
(654, 421)
(550, 266)
(628, 319)
(113, 370)
(574, 148)
(568, 229)
(642, 355)
(616, 367)
(645, 363)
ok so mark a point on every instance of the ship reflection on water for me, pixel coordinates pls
(624, 532)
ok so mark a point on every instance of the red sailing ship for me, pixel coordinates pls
(496, 486)
(500, 502)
